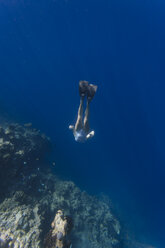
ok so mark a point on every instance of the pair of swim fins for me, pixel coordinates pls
(86, 89)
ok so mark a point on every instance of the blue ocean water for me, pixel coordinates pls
(46, 47)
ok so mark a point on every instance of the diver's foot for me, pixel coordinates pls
(90, 135)
(83, 86)
(91, 91)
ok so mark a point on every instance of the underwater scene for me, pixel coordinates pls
(82, 124)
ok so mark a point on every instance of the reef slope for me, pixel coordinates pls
(30, 196)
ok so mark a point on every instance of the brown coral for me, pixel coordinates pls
(57, 237)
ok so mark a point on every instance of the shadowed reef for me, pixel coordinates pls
(31, 196)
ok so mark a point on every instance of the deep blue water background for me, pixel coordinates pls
(46, 47)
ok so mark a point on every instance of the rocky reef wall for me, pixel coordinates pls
(30, 196)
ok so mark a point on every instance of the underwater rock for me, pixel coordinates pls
(19, 224)
(22, 141)
(94, 224)
(19, 144)
(32, 195)
(28, 124)
(57, 237)
(26, 215)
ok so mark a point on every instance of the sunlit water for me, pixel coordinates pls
(46, 47)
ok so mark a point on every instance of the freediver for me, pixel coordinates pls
(81, 129)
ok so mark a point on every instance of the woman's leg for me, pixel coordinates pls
(79, 122)
(91, 90)
(86, 118)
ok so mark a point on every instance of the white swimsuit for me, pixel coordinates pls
(80, 136)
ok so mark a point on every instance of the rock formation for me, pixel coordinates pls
(30, 196)
(57, 237)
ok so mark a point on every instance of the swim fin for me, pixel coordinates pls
(91, 91)
(83, 86)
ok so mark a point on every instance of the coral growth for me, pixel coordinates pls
(20, 148)
(32, 195)
(57, 237)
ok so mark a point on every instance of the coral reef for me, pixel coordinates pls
(57, 237)
(18, 142)
(25, 216)
(20, 147)
(32, 195)
(20, 225)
